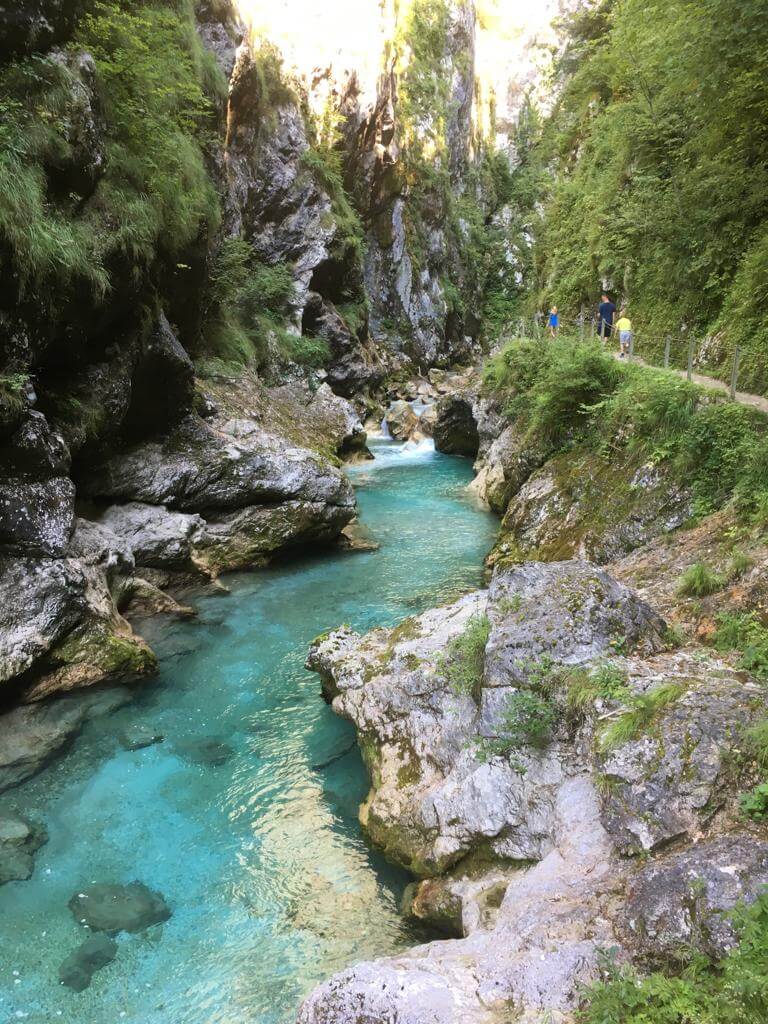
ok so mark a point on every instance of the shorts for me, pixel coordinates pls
(625, 337)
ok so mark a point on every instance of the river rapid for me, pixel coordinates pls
(244, 817)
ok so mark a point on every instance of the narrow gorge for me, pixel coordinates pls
(370, 653)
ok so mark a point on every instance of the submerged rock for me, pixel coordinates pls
(80, 966)
(210, 752)
(19, 840)
(34, 733)
(119, 908)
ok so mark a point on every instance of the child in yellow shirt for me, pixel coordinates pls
(624, 327)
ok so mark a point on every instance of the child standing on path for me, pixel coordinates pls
(624, 327)
(554, 321)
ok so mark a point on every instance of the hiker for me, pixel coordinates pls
(554, 322)
(624, 327)
(605, 314)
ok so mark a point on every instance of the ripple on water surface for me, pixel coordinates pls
(245, 816)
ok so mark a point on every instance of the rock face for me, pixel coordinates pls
(455, 430)
(587, 506)
(671, 781)
(496, 782)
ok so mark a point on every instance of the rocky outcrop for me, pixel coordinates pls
(434, 797)
(584, 505)
(519, 754)
(670, 781)
(684, 901)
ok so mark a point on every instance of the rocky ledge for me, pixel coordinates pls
(524, 745)
(209, 494)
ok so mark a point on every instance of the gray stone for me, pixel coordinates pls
(37, 516)
(119, 908)
(80, 966)
(196, 468)
(156, 537)
(670, 781)
(42, 600)
(401, 420)
(31, 735)
(567, 612)
(682, 901)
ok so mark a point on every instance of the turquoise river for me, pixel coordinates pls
(257, 849)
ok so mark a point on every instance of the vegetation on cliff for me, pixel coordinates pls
(577, 396)
(652, 172)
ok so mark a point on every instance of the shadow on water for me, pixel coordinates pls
(244, 814)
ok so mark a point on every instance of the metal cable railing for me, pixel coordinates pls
(537, 326)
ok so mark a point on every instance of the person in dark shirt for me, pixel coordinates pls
(605, 314)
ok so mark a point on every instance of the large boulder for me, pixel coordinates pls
(401, 420)
(197, 468)
(684, 900)
(156, 537)
(455, 430)
(434, 797)
(353, 366)
(669, 779)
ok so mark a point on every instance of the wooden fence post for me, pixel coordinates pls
(667, 344)
(631, 346)
(581, 323)
(735, 371)
(690, 358)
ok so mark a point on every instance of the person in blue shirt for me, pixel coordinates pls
(605, 314)
(554, 321)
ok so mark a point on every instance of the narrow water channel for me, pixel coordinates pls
(245, 816)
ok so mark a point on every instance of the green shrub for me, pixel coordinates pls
(731, 991)
(743, 631)
(527, 721)
(756, 743)
(754, 804)
(462, 665)
(607, 682)
(641, 714)
(739, 564)
(699, 580)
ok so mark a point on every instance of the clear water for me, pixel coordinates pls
(261, 858)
